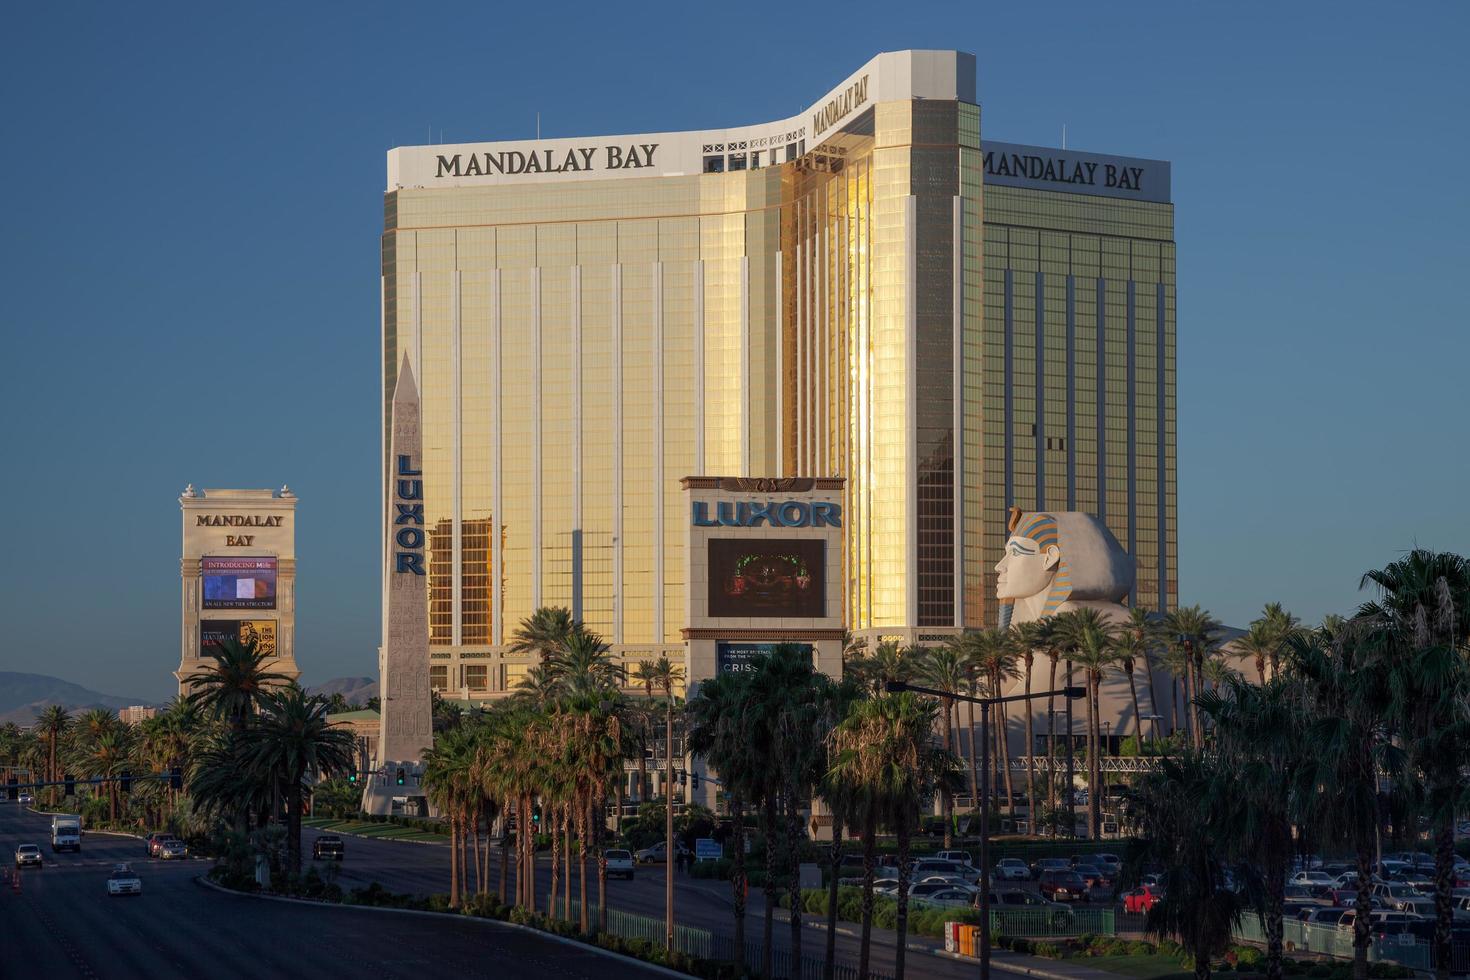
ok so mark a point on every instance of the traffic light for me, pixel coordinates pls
(683, 777)
(694, 781)
(125, 781)
(176, 778)
(400, 775)
(536, 813)
(352, 777)
(70, 784)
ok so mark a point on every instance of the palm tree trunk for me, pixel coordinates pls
(504, 857)
(1030, 750)
(599, 825)
(974, 772)
(582, 820)
(642, 777)
(530, 855)
(1094, 778)
(829, 964)
(293, 824)
(489, 826)
(737, 878)
(555, 861)
(901, 922)
(1275, 899)
(566, 835)
(870, 856)
(1444, 882)
(1004, 731)
(768, 889)
(1051, 743)
(793, 879)
(946, 799)
(1137, 717)
(455, 857)
(1363, 907)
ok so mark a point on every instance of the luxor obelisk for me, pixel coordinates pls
(406, 713)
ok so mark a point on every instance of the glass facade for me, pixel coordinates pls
(863, 308)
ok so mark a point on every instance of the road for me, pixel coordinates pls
(423, 869)
(62, 924)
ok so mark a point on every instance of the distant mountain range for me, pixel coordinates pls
(356, 690)
(24, 696)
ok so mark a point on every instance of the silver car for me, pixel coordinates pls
(172, 848)
(27, 855)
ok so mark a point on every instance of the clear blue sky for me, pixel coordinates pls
(190, 264)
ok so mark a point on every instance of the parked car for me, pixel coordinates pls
(1142, 898)
(1110, 863)
(619, 862)
(328, 847)
(1394, 895)
(1302, 893)
(1321, 916)
(1063, 886)
(945, 897)
(1038, 868)
(1094, 876)
(885, 886)
(657, 853)
(28, 855)
(1343, 897)
(958, 857)
(172, 848)
(1011, 869)
(124, 881)
(1015, 898)
(934, 866)
(1311, 879)
(1348, 879)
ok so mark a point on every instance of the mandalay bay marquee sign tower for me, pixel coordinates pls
(866, 291)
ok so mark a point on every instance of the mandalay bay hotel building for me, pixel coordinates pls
(870, 289)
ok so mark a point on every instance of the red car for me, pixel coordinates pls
(1142, 899)
(1063, 886)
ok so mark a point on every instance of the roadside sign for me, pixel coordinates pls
(707, 849)
(964, 827)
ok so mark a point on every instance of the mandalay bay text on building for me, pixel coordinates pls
(866, 290)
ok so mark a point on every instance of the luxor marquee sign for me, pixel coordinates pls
(788, 513)
(408, 506)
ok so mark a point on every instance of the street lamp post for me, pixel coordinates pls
(1070, 693)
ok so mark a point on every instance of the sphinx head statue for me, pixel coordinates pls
(1061, 559)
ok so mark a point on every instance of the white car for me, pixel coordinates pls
(1311, 879)
(1012, 869)
(959, 857)
(27, 854)
(946, 898)
(124, 881)
(172, 848)
(26, 799)
(619, 862)
(656, 853)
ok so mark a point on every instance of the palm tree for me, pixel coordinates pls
(235, 686)
(1028, 638)
(449, 783)
(1092, 638)
(994, 658)
(665, 675)
(544, 632)
(1128, 649)
(108, 757)
(717, 734)
(292, 739)
(583, 661)
(944, 669)
(1260, 738)
(1178, 813)
(885, 751)
(1345, 697)
(52, 723)
(1281, 626)
(1421, 624)
(1196, 632)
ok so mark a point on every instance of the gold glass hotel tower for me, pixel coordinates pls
(862, 290)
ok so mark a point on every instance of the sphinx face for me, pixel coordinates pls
(1026, 569)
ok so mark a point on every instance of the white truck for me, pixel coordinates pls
(66, 833)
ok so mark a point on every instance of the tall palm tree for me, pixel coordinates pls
(1257, 645)
(1197, 632)
(1092, 638)
(1261, 743)
(1345, 696)
(944, 669)
(886, 746)
(236, 684)
(51, 723)
(582, 660)
(1281, 626)
(1178, 813)
(449, 783)
(1128, 649)
(1421, 625)
(666, 674)
(543, 632)
(717, 734)
(1027, 639)
(292, 739)
(995, 658)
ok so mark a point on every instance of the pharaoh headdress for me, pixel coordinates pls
(1042, 528)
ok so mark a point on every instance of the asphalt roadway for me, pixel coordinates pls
(61, 923)
(423, 869)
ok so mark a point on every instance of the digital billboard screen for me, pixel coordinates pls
(214, 631)
(239, 583)
(767, 578)
(742, 658)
